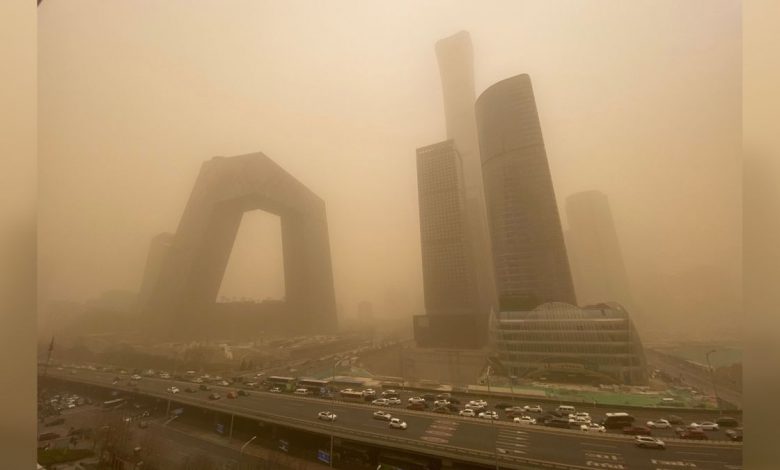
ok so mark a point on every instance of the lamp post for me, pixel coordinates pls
(712, 377)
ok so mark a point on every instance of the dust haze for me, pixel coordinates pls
(638, 100)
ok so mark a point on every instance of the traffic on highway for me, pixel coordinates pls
(562, 434)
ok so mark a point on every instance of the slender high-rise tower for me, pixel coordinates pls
(594, 250)
(456, 66)
(529, 254)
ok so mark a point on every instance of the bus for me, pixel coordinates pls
(313, 385)
(355, 395)
(112, 404)
(285, 383)
(617, 420)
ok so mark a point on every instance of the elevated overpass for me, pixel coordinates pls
(499, 444)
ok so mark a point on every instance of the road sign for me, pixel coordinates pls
(284, 445)
(221, 428)
(323, 456)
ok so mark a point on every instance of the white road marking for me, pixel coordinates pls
(515, 444)
(694, 453)
(598, 445)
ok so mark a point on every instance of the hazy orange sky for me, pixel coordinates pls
(639, 99)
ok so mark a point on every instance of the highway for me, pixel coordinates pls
(468, 439)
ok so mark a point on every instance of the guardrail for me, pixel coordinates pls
(369, 407)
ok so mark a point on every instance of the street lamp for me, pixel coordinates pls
(246, 444)
(712, 377)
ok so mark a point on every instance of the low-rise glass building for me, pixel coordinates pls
(597, 344)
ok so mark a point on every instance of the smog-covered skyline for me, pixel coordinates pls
(640, 101)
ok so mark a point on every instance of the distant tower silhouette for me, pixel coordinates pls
(456, 67)
(529, 254)
(594, 250)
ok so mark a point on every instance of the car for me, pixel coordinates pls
(393, 401)
(190, 390)
(135, 377)
(275, 390)
(231, 394)
(659, 424)
(173, 389)
(579, 419)
(381, 402)
(165, 375)
(525, 419)
(443, 396)
(215, 396)
(479, 403)
(566, 409)
(533, 408)
(452, 407)
(467, 412)
(734, 435)
(441, 409)
(396, 423)
(727, 422)
(637, 431)
(224, 383)
(704, 426)
(204, 387)
(243, 393)
(475, 407)
(441, 403)
(593, 427)
(369, 392)
(649, 442)
(417, 406)
(416, 400)
(389, 394)
(691, 433)
(429, 397)
(115, 381)
(502, 406)
(488, 415)
(383, 415)
(301, 391)
(674, 419)
(556, 422)
(326, 415)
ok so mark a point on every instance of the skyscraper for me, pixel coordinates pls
(452, 304)
(456, 67)
(594, 250)
(448, 274)
(529, 254)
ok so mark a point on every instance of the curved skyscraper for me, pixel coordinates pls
(529, 255)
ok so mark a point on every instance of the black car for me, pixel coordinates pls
(558, 423)
(734, 435)
(204, 387)
(441, 409)
(727, 422)
(215, 396)
(503, 406)
(454, 400)
(675, 419)
(243, 393)
(190, 390)
(452, 407)
(429, 397)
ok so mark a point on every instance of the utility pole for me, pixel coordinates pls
(712, 377)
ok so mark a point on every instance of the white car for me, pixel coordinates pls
(397, 423)
(173, 389)
(326, 415)
(524, 420)
(369, 392)
(533, 408)
(488, 415)
(581, 415)
(414, 400)
(574, 419)
(467, 412)
(384, 415)
(474, 406)
(649, 441)
(301, 391)
(393, 401)
(135, 377)
(224, 383)
(482, 403)
(381, 402)
(165, 375)
(593, 427)
(439, 403)
(275, 390)
(346, 390)
(705, 426)
(659, 424)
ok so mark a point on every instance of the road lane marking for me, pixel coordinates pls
(694, 453)
(510, 444)
(598, 445)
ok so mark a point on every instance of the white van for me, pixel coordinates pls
(566, 409)
(301, 391)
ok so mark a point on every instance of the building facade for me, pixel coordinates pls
(597, 344)
(594, 250)
(529, 255)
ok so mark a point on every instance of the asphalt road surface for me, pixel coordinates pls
(576, 448)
